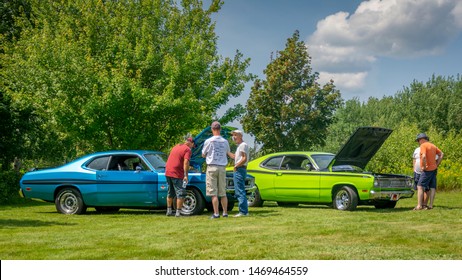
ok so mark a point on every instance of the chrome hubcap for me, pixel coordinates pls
(68, 202)
(189, 203)
(342, 200)
(251, 198)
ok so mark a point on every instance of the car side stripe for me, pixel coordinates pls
(318, 173)
(84, 182)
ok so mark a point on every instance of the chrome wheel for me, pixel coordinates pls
(193, 204)
(342, 200)
(254, 199)
(190, 202)
(345, 199)
(69, 201)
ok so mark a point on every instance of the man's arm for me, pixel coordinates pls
(440, 158)
(241, 162)
(186, 169)
(423, 161)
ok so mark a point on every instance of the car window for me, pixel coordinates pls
(272, 163)
(157, 161)
(294, 162)
(126, 163)
(322, 160)
(99, 163)
(134, 162)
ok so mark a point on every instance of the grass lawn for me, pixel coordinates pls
(35, 231)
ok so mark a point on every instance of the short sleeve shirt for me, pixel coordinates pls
(416, 157)
(243, 147)
(430, 151)
(175, 162)
(216, 149)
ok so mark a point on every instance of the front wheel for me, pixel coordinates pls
(385, 205)
(193, 204)
(69, 201)
(254, 199)
(345, 199)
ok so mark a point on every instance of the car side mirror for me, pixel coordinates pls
(138, 169)
(309, 167)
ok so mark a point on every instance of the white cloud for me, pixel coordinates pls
(349, 81)
(344, 47)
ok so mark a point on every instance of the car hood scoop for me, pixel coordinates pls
(361, 146)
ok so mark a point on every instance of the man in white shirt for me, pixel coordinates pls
(215, 151)
(241, 158)
(417, 173)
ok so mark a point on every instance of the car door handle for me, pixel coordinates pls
(279, 174)
(101, 176)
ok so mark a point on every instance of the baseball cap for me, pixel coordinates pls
(421, 136)
(191, 140)
(237, 131)
(215, 125)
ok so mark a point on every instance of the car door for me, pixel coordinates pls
(122, 184)
(294, 182)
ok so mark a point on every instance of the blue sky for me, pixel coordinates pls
(369, 48)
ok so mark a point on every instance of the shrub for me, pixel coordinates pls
(9, 186)
(395, 156)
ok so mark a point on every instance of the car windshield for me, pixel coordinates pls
(157, 161)
(322, 160)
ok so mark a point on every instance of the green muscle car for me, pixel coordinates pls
(292, 178)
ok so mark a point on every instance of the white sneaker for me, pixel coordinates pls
(241, 215)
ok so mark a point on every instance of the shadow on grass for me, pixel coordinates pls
(23, 203)
(10, 223)
(159, 213)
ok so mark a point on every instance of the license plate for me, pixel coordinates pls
(394, 197)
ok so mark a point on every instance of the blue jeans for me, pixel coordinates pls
(239, 189)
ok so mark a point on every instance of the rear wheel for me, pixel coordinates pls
(69, 201)
(345, 199)
(254, 199)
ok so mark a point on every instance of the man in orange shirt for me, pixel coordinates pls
(429, 165)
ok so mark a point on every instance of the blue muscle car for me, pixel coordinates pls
(112, 180)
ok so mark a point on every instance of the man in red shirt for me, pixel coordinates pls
(176, 171)
(429, 165)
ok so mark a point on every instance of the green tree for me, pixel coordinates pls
(120, 74)
(290, 110)
(15, 123)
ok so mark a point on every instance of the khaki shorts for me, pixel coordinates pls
(216, 180)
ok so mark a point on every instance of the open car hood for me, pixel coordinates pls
(361, 146)
(196, 157)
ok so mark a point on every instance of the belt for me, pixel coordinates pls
(217, 165)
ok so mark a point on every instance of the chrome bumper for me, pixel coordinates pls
(390, 195)
(249, 185)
